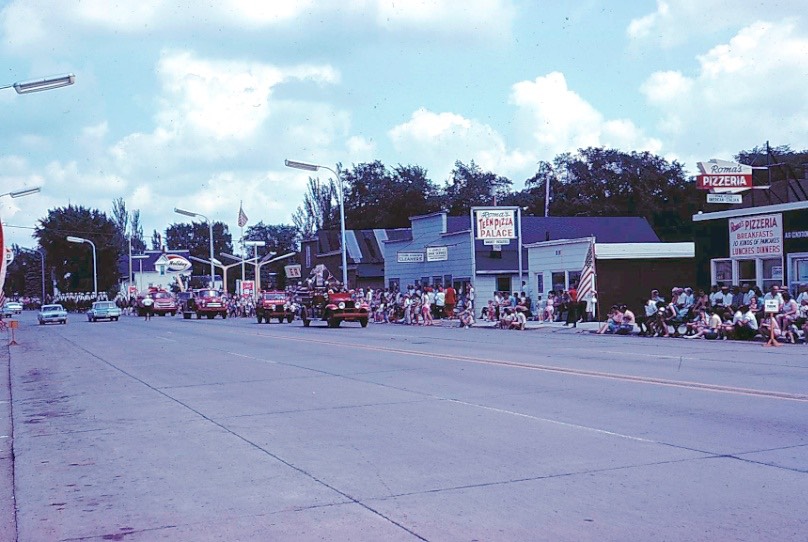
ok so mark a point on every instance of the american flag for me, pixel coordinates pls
(242, 218)
(586, 283)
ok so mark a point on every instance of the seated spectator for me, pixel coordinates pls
(627, 325)
(519, 320)
(505, 318)
(613, 321)
(745, 323)
(711, 330)
(769, 327)
(698, 323)
(466, 317)
(789, 312)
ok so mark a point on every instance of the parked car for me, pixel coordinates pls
(12, 307)
(52, 313)
(103, 310)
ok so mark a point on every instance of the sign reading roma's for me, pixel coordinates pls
(495, 223)
(724, 176)
(752, 236)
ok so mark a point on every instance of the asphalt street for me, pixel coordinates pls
(229, 430)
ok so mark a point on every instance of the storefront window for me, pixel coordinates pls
(559, 281)
(540, 283)
(574, 277)
(504, 284)
(747, 271)
(722, 271)
(437, 281)
(772, 273)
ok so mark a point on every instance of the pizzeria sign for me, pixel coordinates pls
(753, 236)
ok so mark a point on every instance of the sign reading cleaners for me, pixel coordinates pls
(756, 236)
(495, 223)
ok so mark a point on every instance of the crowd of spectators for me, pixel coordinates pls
(726, 312)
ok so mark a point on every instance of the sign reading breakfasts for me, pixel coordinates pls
(752, 236)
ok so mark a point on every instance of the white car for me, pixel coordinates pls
(52, 313)
(12, 307)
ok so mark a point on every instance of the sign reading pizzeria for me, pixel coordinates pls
(756, 236)
(495, 223)
(724, 176)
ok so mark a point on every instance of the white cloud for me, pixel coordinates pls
(746, 91)
(558, 120)
(677, 21)
(436, 140)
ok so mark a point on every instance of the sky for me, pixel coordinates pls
(196, 105)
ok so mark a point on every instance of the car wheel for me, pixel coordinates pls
(290, 319)
(41, 323)
(199, 316)
(363, 322)
(224, 316)
(210, 316)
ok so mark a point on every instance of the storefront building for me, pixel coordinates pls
(446, 250)
(763, 246)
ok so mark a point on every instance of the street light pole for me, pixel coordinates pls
(255, 245)
(38, 85)
(210, 228)
(95, 263)
(314, 167)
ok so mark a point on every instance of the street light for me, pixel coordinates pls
(38, 85)
(21, 193)
(314, 167)
(95, 265)
(220, 265)
(140, 258)
(210, 227)
(255, 245)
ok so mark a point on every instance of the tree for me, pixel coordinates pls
(609, 182)
(23, 275)
(280, 239)
(156, 240)
(320, 209)
(73, 263)
(469, 186)
(195, 237)
(378, 198)
(138, 243)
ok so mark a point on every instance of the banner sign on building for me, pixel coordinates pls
(292, 271)
(495, 223)
(437, 254)
(177, 263)
(724, 176)
(410, 257)
(247, 288)
(756, 236)
(724, 198)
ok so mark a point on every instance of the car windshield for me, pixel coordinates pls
(52, 308)
(207, 293)
(275, 297)
(161, 295)
(107, 305)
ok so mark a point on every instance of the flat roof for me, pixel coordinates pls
(746, 211)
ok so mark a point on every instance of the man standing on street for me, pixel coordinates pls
(572, 310)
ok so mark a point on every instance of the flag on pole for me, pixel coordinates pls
(586, 284)
(242, 218)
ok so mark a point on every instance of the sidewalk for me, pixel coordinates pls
(551, 327)
(7, 507)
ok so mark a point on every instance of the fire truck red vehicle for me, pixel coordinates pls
(204, 301)
(333, 308)
(274, 304)
(164, 302)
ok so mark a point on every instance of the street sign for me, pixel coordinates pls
(724, 198)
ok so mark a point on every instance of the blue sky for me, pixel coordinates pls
(181, 105)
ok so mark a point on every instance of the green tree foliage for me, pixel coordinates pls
(608, 182)
(320, 208)
(127, 224)
(138, 242)
(784, 163)
(24, 274)
(280, 239)
(195, 237)
(73, 263)
(378, 198)
(469, 186)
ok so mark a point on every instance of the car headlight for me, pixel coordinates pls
(341, 305)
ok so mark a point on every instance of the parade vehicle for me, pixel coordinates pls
(163, 302)
(203, 302)
(274, 304)
(104, 310)
(333, 308)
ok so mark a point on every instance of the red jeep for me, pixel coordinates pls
(204, 301)
(334, 308)
(274, 304)
(163, 302)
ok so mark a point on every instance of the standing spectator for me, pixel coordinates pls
(449, 301)
(440, 302)
(148, 308)
(572, 307)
